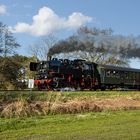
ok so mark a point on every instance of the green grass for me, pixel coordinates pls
(63, 96)
(123, 125)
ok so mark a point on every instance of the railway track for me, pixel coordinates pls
(66, 90)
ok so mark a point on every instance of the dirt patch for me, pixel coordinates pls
(23, 108)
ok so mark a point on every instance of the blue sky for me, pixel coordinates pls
(31, 19)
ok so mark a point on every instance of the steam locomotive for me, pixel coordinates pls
(80, 74)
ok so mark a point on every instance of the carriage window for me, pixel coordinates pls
(130, 76)
(134, 75)
(117, 75)
(108, 73)
(112, 73)
(137, 76)
(126, 75)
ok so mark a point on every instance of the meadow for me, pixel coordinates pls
(122, 125)
(86, 115)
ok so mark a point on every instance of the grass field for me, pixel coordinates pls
(27, 116)
(45, 95)
(122, 125)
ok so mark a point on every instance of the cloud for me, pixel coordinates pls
(3, 9)
(47, 22)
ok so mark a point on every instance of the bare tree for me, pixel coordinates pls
(8, 43)
(106, 47)
(40, 49)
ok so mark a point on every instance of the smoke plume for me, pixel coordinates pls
(124, 46)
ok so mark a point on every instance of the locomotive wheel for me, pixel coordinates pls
(53, 85)
(94, 88)
(41, 87)
(103, 88)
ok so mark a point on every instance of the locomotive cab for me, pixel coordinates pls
(54, 65)
(33, 66)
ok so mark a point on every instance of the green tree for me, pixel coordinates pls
(14, 72)
(8, 70)
(23, 72)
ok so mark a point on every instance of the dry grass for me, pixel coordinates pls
(75, 106)
(22, 108)
(15, 109)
